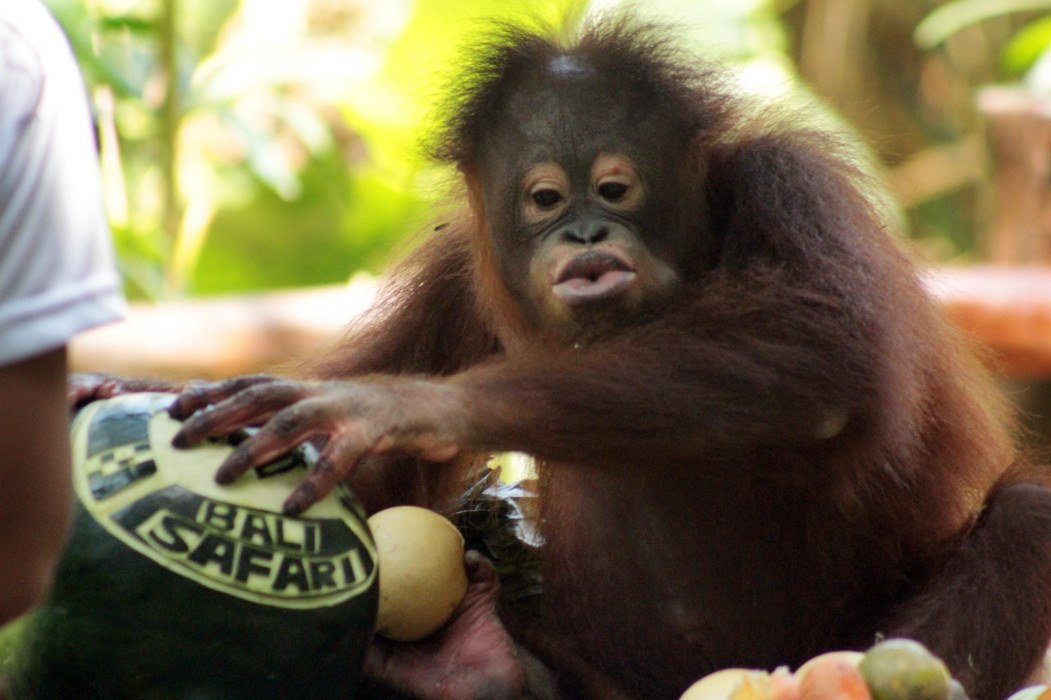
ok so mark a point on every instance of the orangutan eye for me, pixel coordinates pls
(613, 191)
(546, 190)
(616, 182)
(547, 198)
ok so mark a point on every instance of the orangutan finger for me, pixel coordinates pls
(200, 394)
(337, 460)
(250, 407)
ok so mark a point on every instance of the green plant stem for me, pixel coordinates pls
(171, 115)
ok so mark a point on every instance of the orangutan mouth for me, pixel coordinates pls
(592, 277)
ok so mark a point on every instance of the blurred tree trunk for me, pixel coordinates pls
(1020, 139)
(832, 48)
(915, 108)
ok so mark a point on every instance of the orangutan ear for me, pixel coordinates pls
(475, 198)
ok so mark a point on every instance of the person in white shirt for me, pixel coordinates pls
(57, 277)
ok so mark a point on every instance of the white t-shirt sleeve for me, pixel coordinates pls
(57, 272)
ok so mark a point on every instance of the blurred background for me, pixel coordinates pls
(250, 146)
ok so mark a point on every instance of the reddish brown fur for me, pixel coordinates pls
(693, 521)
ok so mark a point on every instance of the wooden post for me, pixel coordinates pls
(1020, 139)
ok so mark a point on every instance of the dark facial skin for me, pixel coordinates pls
(576, 211)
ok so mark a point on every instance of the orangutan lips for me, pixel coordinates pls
(591, 277)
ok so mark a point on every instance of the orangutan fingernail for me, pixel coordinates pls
(180, 441)
(230, 469)
(294, 506)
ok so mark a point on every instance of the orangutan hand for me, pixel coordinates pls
(472, 656)
(350, 420)
(82, 389)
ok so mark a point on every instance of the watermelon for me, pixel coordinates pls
(172, 586)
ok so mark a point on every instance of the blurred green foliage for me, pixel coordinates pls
(250, 145)
(1026, 54)
(1024, 49)
(1027, 47)
(256, 144)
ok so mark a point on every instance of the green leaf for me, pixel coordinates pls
(954, 16)
(266, 158)
(1027, 46)
(344, 221)
(79, 26)
(130, 23)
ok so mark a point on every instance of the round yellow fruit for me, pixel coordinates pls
(421, 571)
(719, 685)
(850, 657)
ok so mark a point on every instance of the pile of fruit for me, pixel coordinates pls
(895, 669)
